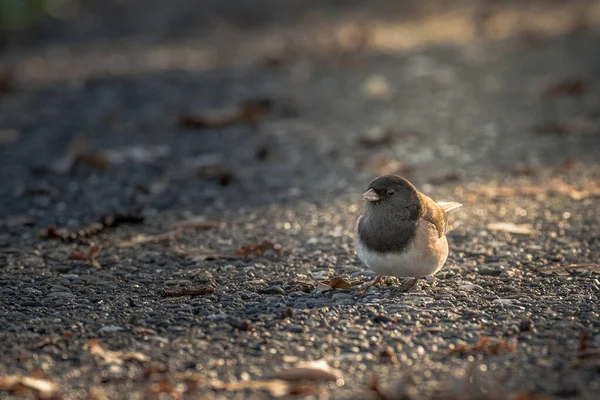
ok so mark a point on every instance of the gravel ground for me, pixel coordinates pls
(503, 120)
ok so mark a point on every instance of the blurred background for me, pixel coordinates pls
(277, 100)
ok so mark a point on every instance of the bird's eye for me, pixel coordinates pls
(390, 192)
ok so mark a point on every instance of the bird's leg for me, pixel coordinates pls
(409, 284)
(430, 280)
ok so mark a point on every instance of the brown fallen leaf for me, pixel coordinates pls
(90, 256)
(509, 227)
(310, 371)
(196, 224)
(486, 345)
(17, 383)
(187, 291)
(260, 249)
(563, 269)
(140, 330)
(106, 221)
(249, 112)
(383, 165)
(567, 87)
(114, 357)
(337, 282)
(178, 228)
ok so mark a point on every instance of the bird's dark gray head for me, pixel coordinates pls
(394, 196)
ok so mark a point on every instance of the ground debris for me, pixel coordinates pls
(573, 87)
(383, 165)
(375, 137)
(337, 282)
(486, 345)
(309, 371)
(260, 249)
(8, 135)
(241, 324)
(114, 357)
(572, 126)
(564, 269)
(194, 224)
(248, 112)
(20, 384)
(89, 257)
(106, 221)
(187, 291)
(509, 227)
(554, 187)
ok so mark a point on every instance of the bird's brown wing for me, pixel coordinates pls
(435, 214)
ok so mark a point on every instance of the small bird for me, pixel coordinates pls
(402, 232)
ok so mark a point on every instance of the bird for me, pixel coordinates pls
(402, 232)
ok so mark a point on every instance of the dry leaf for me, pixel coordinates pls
(383, 165)
(337, 282)
(114, 357)
(311, 371)
(509, 227)
(248, 112)
(563, 269)
(567, 87)
(178, 228)
(16, 383)
(485, 344)
(187, 291)
(260, 249)
(106, 221)
(196, 224)
(90, 256)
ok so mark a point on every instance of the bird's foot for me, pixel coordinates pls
(409, 284)
(430, 280)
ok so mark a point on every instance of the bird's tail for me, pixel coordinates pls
(449, 205)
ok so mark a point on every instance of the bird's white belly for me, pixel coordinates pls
(413, 262)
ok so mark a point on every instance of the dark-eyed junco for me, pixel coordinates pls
(402, 232)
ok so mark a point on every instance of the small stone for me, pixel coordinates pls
(109, 329)
(470, 287)
(490, 270)
(504, 302)
(274, 290)
(60, 295)
(526, 325)
(342, 296)
(201, 275)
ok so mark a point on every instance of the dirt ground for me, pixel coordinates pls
(177, 176)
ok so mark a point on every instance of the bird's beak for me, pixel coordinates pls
(370, 195)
